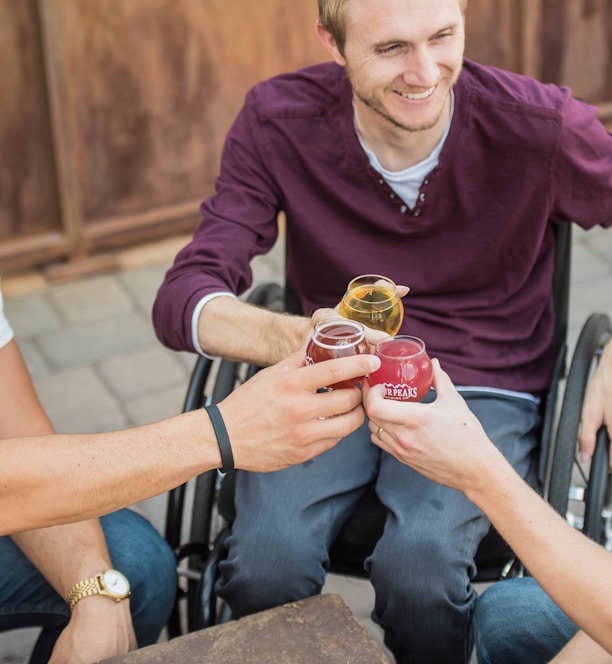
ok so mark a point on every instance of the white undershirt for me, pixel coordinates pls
(406, 183)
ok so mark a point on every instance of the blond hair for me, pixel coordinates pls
(332, 18)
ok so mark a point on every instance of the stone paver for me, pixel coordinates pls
(91, 300)
(78, 401)
(157, 406)
(33, 316)
(142, 372)
(142, 285)
(84, 343)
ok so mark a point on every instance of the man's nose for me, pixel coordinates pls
(421, 68)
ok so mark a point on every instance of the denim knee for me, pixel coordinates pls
(139, 551)
(516, 622)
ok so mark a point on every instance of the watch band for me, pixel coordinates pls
(97, 586)
(83, 589)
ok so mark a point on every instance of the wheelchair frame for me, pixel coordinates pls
(584, 497)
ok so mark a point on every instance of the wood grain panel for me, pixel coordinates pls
(154, 85)
(572, 45)
(27, 181)
(493, 33)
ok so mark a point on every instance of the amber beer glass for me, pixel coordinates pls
(405, 368)
(372, 300)
(337, 338)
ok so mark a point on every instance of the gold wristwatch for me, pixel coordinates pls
(111, 584)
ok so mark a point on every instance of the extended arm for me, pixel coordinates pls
(260, 337)
(63, 554)
(263, 337)
(582, 648)
(418, 435)
(274, 420)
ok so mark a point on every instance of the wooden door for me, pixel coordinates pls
(119, 109)
(567, 42)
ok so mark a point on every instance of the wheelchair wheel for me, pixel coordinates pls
(598, 506)
(581, 492)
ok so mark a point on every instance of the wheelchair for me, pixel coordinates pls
(580, 492)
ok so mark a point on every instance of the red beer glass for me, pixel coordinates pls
(405, 368)
(337, 338)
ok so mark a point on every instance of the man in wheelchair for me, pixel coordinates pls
(399, 158)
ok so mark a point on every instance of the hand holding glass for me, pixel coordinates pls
(373, 300)
(337, 338)
(405, 368)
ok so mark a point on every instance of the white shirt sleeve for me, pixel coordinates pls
(194, 321)
(6, 332)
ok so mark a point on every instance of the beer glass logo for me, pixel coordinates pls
(401, 392)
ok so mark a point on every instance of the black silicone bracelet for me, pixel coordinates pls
(227, 458)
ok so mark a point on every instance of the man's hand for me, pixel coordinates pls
(279, 411)
(98, 629)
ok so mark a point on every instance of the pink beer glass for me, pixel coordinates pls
(337, 338)
(405, 368)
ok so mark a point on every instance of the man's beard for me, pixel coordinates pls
(373, 104)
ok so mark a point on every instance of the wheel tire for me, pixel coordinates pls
(594, 333)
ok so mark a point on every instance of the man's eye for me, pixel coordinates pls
(389, 49)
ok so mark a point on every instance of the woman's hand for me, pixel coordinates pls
(442, 440)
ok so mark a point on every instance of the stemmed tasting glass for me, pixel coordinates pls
(337, 337)
(405, 368)
(372, 300)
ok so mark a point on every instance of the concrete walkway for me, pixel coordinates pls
(98, 366)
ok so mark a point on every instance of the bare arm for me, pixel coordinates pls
(263, 337)
(273, 421)
(582, 648)
(240, 331)
(417, 434)
(63, 554)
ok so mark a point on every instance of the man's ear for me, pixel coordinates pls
(326, 38)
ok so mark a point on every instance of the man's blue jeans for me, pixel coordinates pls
(421, 567)
(136, 549)
(516, 622)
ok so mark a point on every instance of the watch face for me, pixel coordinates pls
(116, 583)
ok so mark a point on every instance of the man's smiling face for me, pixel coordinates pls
(402, 58)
